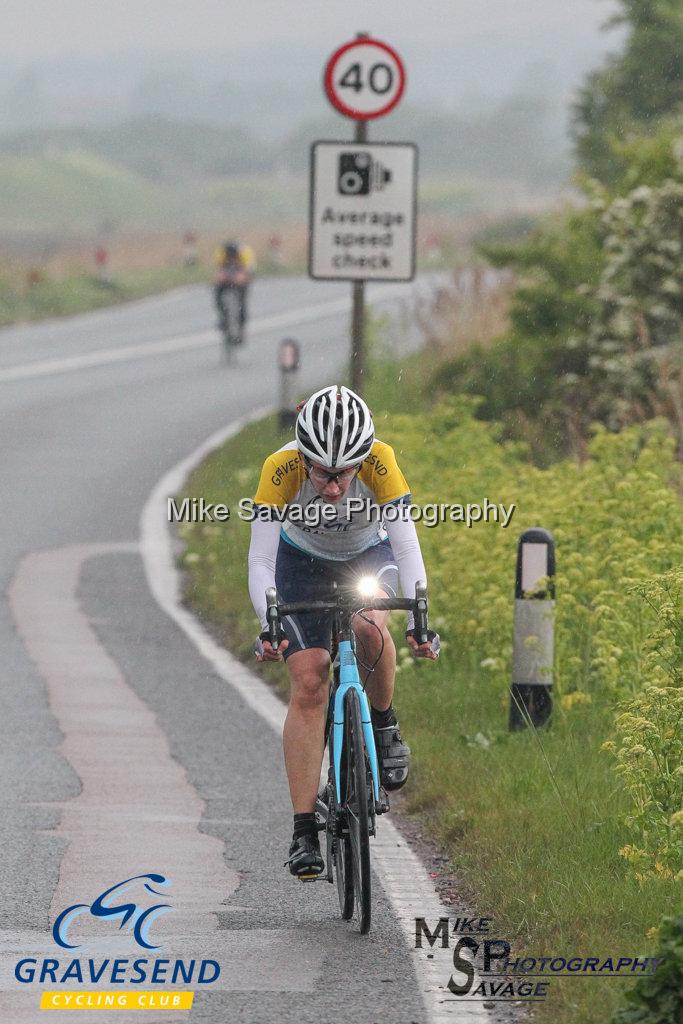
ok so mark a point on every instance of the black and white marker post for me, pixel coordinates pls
(289, 359)
(531, 699)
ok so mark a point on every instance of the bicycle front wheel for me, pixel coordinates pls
(357, 809)
(343, 870)
(227, 347)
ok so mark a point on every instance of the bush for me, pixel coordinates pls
(638, 327)
(616, 519)
(649, 754)
(658, 999)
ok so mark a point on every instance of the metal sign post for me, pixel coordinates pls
(358, 305)
(364, 79)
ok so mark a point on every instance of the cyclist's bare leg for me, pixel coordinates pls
(218, 291)
(304, 732)
(243, 304)
(394, 754)
(379, 684)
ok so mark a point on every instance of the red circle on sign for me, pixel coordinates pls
(336, 101)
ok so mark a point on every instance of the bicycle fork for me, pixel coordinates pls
(348, 679)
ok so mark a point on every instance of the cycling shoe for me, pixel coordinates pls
(394, 757)
(305, 859)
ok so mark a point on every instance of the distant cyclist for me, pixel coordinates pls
(236, 265)
(334, 457)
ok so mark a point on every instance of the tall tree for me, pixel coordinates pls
(635, 89)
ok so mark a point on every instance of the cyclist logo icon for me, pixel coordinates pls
(138, 918)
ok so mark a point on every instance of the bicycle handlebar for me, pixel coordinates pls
(417, 605)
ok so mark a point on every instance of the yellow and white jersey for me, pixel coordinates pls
(284, 482)
(247, 258)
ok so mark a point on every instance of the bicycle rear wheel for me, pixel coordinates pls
(356, 801)
(232, 331)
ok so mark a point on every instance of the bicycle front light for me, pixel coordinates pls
(368, 586)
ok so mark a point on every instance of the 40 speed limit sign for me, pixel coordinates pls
(364, 79)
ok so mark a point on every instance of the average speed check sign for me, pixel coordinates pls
(364, 79)
(362, 211)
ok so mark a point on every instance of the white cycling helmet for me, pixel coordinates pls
(334, 428)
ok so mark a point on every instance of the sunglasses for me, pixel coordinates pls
(321, 476)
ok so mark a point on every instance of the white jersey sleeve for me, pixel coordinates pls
(406, 547)
(265, 537)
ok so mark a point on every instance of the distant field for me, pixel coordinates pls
(78, 195)
(57, 207)
(73, 194)
(51, 200)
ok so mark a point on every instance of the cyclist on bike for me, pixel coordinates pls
(335, 457)
(236, 265)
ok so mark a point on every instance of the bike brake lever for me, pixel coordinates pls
(273, 618)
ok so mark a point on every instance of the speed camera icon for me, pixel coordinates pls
(358, 174)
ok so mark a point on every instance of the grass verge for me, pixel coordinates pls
(78, 293)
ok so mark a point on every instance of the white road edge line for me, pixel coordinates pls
(403, 875)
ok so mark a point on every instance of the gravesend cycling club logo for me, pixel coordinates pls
(131, 906)
(108, 906)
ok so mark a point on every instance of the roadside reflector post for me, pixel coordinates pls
(289, 359)
(531, 699)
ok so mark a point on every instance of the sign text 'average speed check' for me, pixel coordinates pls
(362, 211)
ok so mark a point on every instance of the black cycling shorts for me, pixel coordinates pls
(303, 577)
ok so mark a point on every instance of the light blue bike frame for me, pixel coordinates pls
(349, 679)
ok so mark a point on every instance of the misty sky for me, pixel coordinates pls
(51, 28)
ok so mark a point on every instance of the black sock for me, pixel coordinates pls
(383, 719)
(304, 824)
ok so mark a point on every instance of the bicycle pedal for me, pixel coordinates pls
(313, 877)
(382, 804)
